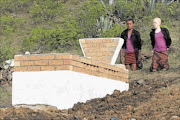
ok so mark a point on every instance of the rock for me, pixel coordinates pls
(174, 117)
(8, 63)
(125, 93)
(84, 119)
(116, 93)
(113, 118)
(140, 82)
(133, 119)
(27, 53)
(136, 92)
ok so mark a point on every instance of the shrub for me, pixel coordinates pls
(115, 31)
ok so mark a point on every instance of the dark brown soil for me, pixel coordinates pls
(149, 98)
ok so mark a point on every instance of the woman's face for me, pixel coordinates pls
(156, 23)
(130, 24)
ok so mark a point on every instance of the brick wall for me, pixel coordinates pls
(57, 62)
(100, 49)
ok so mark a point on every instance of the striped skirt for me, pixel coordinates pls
(160, 60)
(130, 58)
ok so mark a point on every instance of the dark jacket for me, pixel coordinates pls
(165, 34)
(135, 39)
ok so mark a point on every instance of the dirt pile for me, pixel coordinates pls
(140, 102)
(147, 99)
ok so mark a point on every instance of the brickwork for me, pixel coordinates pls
(99, 49)
(56, 62)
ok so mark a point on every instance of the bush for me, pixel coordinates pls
(61, 38)
(6, 52)
(115, 31)
(87, 16)
(43, 11)
(8, 24)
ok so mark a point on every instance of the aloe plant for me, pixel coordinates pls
(103, 24)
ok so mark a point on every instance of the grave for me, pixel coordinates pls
(63, 79)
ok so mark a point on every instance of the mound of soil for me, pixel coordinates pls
(146, 99)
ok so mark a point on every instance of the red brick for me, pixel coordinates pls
(64, 67)
(94, 62)
(59, 68)
(88, 41)
(90, 54)
(41, 62)
(107, 40)
(99, 45)
(27, 63)
(20, 58)
(67, 56)
(86, 45)
(34, 68)
(101, 69)
(98, 54)
(82, 70)
(47, 68)
(82, 59)
(104, 49)
(111, 45)
(74, 63)
(76, 58)
(89, 72)
(97, 58)
(100, 74)
(47, 57)
(76, 69)
(106, 61)
(88, 49)
(78, 64)
(55, 62)
(95, 73)
(20, 69)
(107, 53)
(97, 41)
(82, 65)
(59, 56)
(34, 57)
(67, 62)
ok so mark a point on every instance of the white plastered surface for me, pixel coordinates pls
(60, 88)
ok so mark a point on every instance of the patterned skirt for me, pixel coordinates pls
(130, 58)
(160, 60)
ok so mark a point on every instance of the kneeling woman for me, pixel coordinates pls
(160, 41)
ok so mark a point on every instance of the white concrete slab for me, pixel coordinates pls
(60, 88)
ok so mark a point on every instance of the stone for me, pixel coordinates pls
(136, 92)
(113, 118)
(133, 119)
(116, 93)
(140, 82)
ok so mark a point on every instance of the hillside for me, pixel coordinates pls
(153, 96)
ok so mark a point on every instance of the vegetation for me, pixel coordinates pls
(56, 25)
